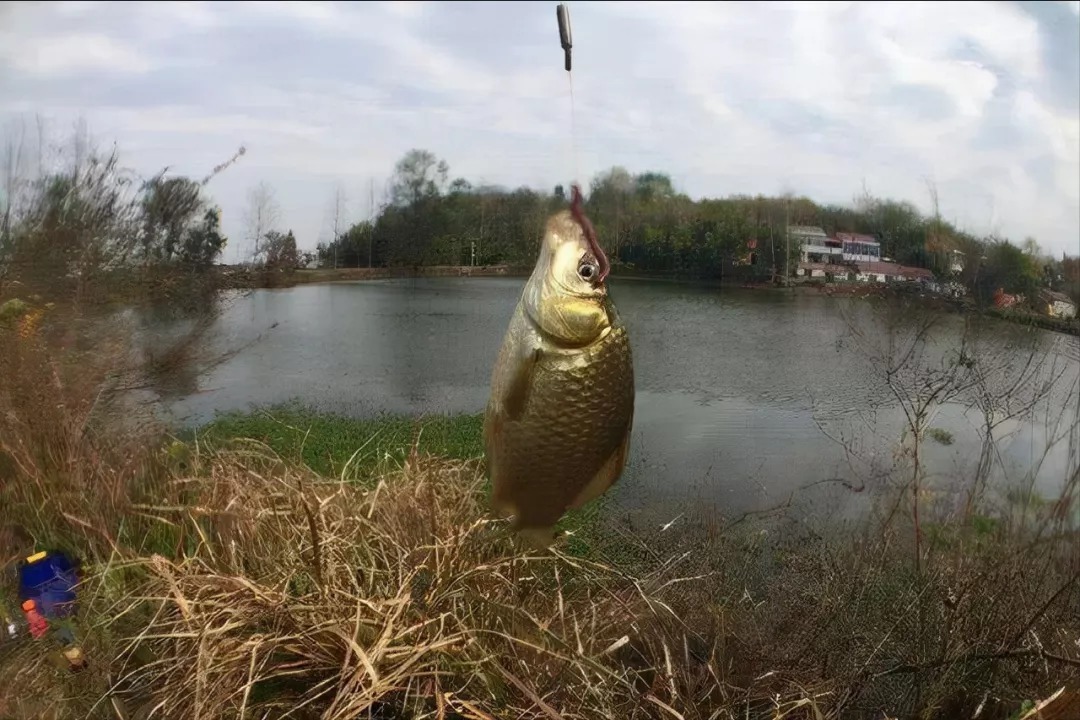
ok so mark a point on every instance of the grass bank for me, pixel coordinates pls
(361, 450)
(290, 564)
(344, 447)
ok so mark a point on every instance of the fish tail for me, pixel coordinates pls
(501, 508)
(538, 538)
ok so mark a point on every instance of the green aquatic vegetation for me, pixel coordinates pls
(341, 446)
(361, 449)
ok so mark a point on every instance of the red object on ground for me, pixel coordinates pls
(38, 624)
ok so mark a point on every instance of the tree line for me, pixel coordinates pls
(648, 227)
(73, 216)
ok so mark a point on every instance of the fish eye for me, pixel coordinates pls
(587, 271)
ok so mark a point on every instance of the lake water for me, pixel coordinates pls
(731, 384)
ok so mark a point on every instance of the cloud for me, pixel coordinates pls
(40, 53)
(982, 98)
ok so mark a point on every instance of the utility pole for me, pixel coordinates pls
(787, 242)
(338, 209)
(371, 212)
(772, 248)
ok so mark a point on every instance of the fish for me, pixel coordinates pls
(560, 412)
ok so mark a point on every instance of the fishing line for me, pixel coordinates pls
(566, 40)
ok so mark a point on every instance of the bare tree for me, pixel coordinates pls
(1010, 381)
(338, 210)
(371, 217)
(864, 201)
(901, 341)
(12, 168)
(933, 240)
(927, 359)
(262, 215)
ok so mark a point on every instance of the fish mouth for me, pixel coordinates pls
(578, 213)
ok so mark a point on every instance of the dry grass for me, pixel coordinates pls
(298, 596)
(65, 451)
(279, 593)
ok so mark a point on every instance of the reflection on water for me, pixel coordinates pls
(731, 384)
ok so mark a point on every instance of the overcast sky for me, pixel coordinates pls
(982, 98)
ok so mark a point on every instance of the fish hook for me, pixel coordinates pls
(578, 213)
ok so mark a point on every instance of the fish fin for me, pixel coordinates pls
(501, 507)
(538, 538)
(517, 392)
(492, 435)
(609, 472)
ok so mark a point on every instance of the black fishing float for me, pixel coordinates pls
(563, 15)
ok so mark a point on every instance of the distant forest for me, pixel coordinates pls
(649, 228)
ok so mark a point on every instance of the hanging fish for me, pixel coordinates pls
(557, 426)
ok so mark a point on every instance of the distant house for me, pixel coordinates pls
(850, 256)
(823, 270)
(803, 234)
(750, 257)
(822, 251)
(893, 272)
(882, 272)
(819, 254)
(916, 274)
(859, 248)
(1004, 300)
(1056, 304)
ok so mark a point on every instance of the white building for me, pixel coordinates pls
(859, 248)
(1057, 304)
(814, 245)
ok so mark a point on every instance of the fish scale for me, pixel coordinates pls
(576, 418)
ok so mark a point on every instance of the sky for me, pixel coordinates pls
(821, 99)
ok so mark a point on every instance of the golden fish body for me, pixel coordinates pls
(558, 421)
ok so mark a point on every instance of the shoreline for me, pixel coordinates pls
(245, 279)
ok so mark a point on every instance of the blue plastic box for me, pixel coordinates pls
(49, 579)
